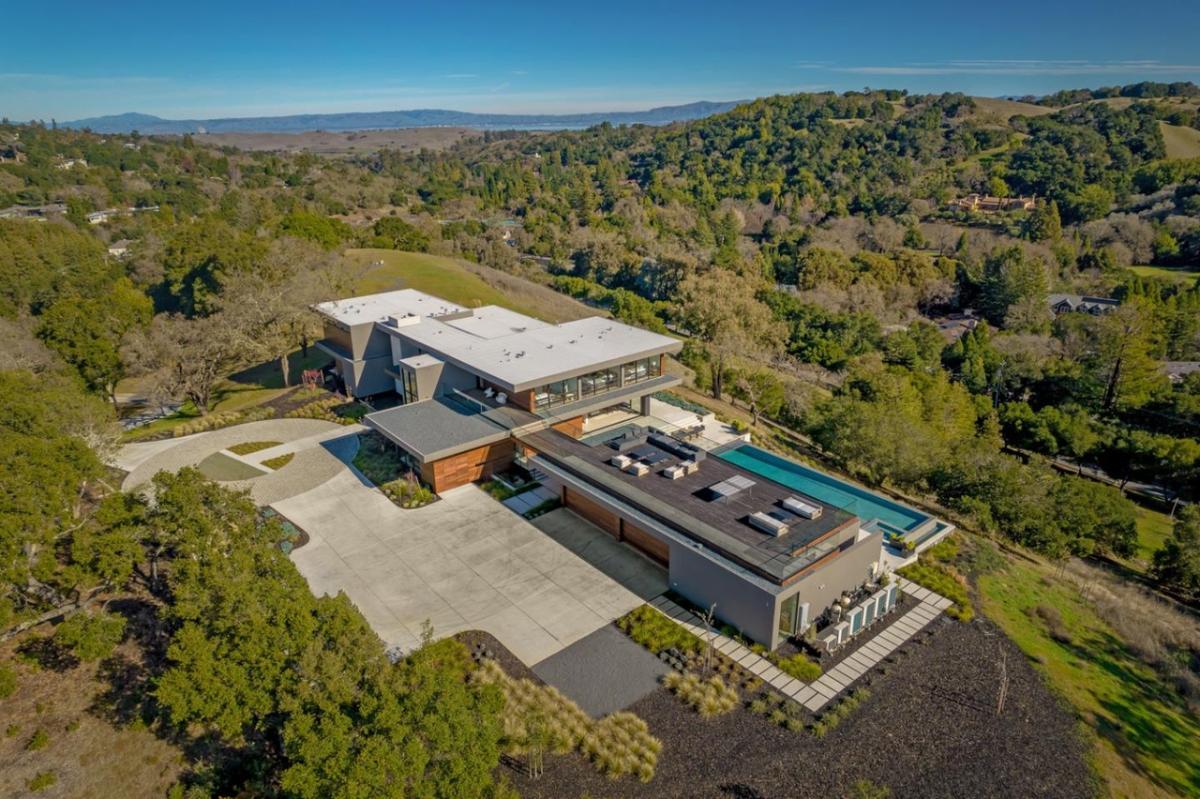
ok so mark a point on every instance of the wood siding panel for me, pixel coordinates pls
(467, 467)
(603, 518)
(570, 427)
(645, 542)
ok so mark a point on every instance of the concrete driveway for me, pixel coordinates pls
(466, 562)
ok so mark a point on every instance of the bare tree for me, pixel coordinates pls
(709, 633)
(183, 358)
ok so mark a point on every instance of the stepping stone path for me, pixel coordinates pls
(815, 695)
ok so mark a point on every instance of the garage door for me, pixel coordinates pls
(646, 543)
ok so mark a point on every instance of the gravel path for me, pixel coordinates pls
(321, 451)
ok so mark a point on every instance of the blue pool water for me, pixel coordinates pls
(823, 487)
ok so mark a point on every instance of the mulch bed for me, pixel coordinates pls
(929, 729)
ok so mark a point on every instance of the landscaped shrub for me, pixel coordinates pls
(798, 665)
(945, 550)
(656, 632)
(90, 637)
(779, 711)
(711, 697)
(8, 682)
(42, 780)
(216, 421)
(838, 713)
(383, 466)
(540, 717)
(407, 493)
(247, 447)
(941, 580)
(331, 409)
(279, 461)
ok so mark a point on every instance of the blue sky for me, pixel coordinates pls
(68, 60)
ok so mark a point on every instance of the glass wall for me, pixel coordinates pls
(555, 394)
(599, 382)
(645, 369)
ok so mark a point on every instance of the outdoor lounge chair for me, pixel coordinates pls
(637, 468)
(674, 472)
(620, 461)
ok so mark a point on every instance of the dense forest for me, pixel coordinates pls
(803, 245)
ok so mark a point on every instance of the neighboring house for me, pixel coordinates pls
(35, 213)
(956, 325)
(71, 163)
(1077, 303)
(481, 389)
(987, 204)
(119, 249)
(97, 217)
(1176, 371)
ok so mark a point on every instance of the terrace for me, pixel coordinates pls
(709, 500)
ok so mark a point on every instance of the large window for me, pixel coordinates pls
(555, 394)
(598, 382)
(408, 380)
(787, 615)
(638, 371)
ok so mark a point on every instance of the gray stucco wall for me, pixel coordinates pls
(371, 377)
(741, 603)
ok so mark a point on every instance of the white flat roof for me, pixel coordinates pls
(377, 307)
(539, 353)
(492, 321)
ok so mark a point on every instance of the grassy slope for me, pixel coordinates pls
(1176, 274)
(462, 283)
(1153, 528)
(1181, 142)
(1145, 739)
(1006, 109)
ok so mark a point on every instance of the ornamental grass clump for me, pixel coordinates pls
(838, 713)
(656, 632)
(538, 718)
(711, 697)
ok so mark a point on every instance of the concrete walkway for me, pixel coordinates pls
(815, 695)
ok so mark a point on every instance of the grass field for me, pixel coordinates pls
(1177, 274)
(1153, 528)
(223, 468)
(470, 285)
(1181, 142)
(1145, 739)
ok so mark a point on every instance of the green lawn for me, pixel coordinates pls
(1153, 528)
(1177, 274)
(434, 274)
(220, 466)
(1145, 740)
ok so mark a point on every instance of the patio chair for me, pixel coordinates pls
(501, 398)
(489, 392)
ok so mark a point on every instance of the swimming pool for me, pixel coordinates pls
(824, 487)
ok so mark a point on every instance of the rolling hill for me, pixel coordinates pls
(388, 120)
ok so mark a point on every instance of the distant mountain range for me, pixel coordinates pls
(386, 120)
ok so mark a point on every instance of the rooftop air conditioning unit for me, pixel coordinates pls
(802, 508)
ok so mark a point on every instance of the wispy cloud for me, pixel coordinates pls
(1026, 67)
